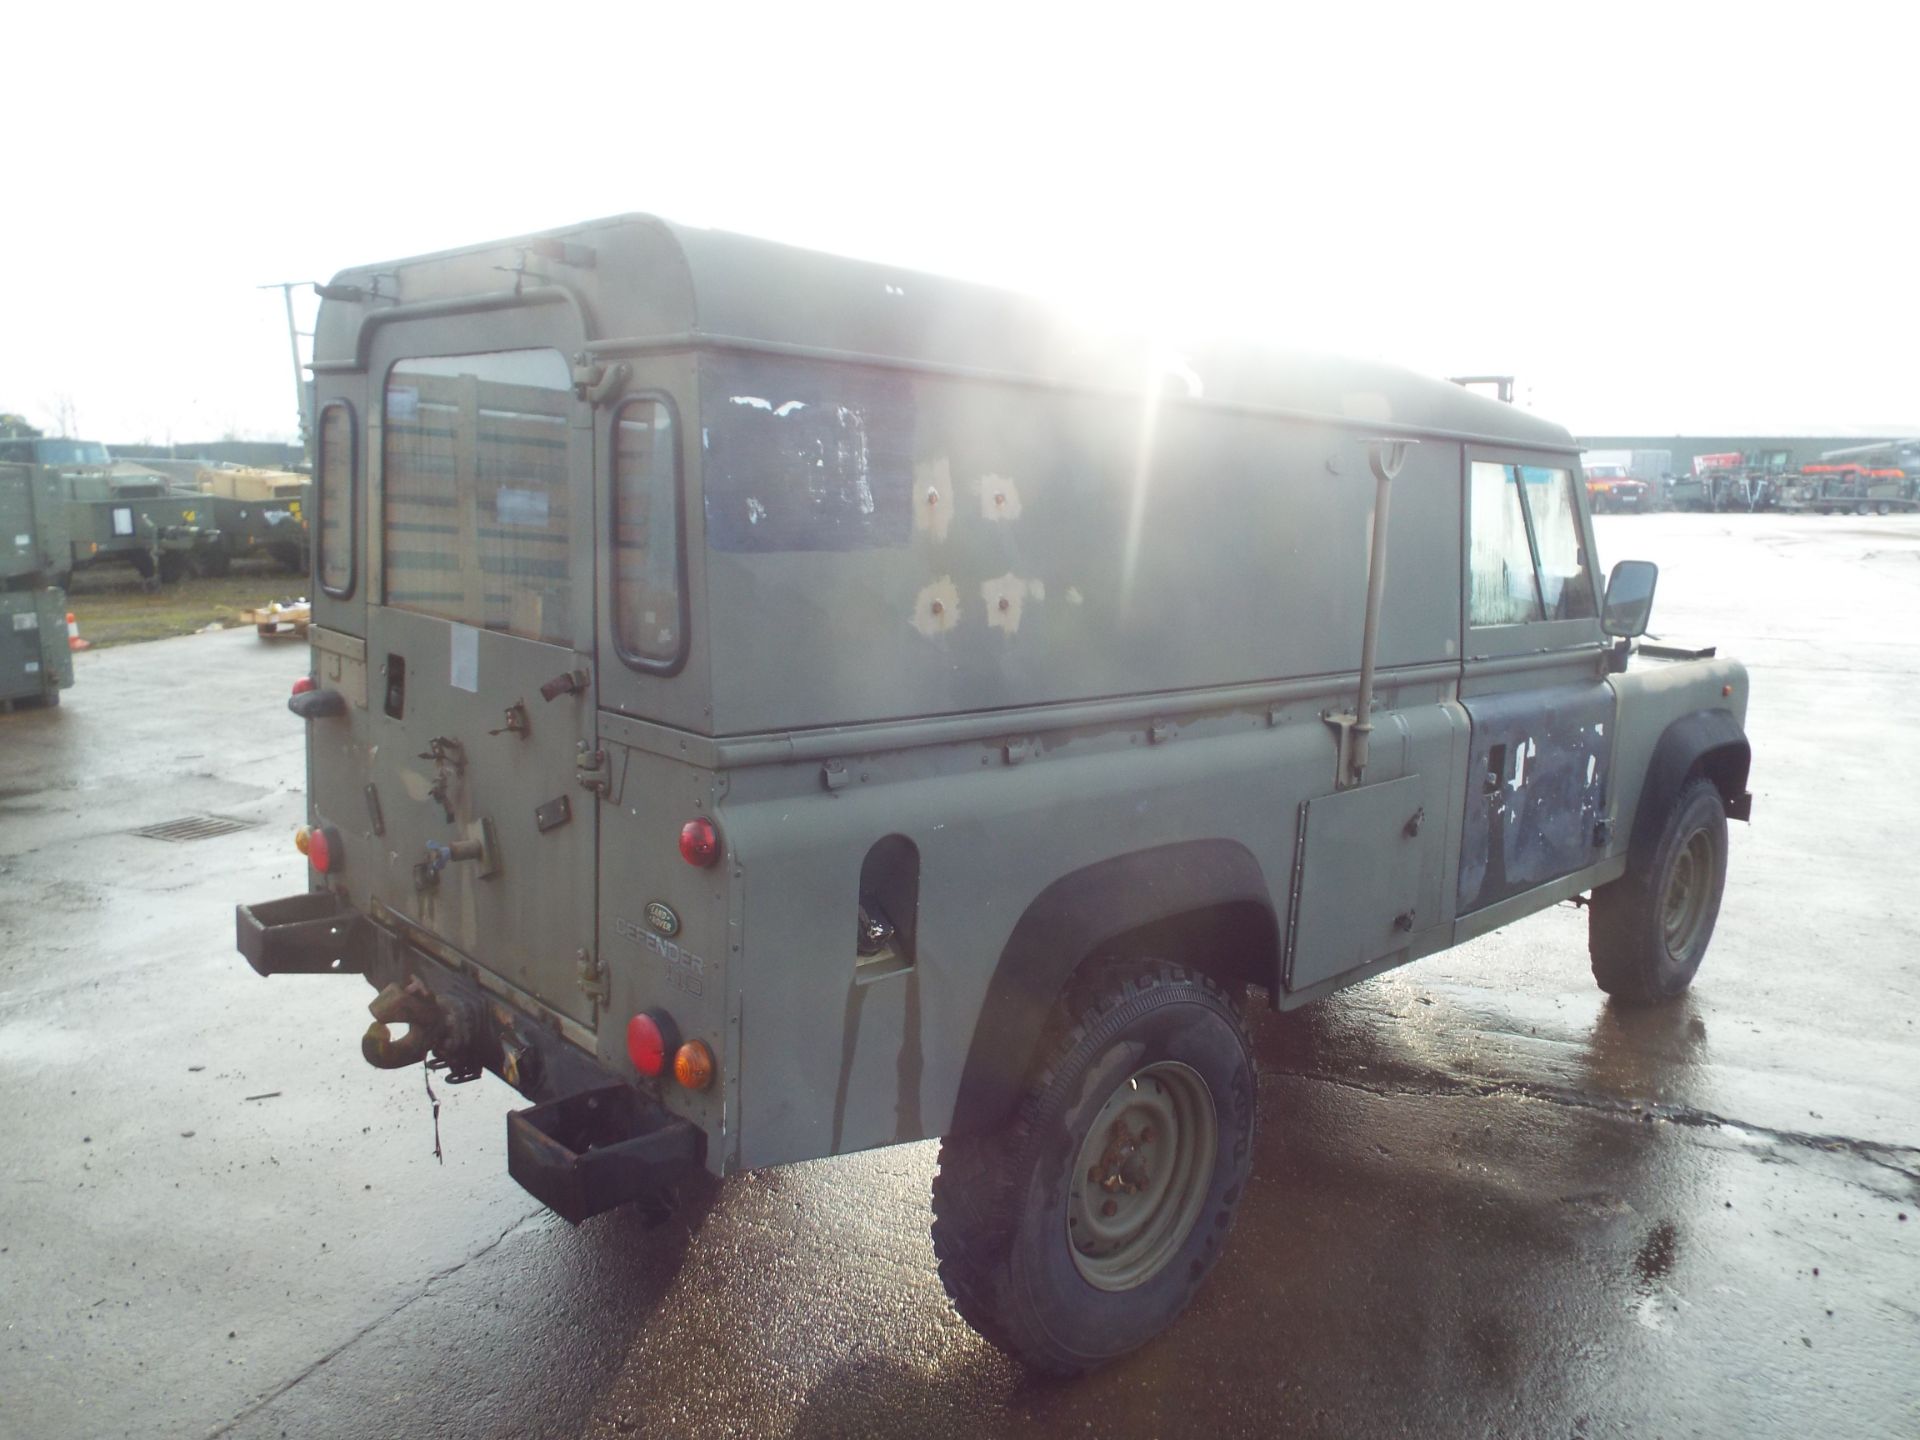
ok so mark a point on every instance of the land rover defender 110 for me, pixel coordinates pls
(765, 706)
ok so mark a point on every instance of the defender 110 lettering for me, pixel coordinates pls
(765, 706)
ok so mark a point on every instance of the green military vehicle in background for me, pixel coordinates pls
(765, 706)
(122, 514)
(35, 661)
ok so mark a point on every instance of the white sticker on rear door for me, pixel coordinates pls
(27, 621)
(464, 647)
(23, 540)
(527, 509)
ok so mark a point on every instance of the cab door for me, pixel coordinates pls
(480, 649)
(1533, 682)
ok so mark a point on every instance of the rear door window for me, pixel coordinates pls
(477, 509)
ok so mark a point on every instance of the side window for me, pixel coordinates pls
(1504, 588)
(335, 466)
(1527, 559)
(647, 619)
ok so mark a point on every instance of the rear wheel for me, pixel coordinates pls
(1082, 1229)
(173, 567)
(1648, 931)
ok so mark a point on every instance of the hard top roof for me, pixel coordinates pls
(652, 282)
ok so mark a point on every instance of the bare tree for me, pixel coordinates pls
(66, 417)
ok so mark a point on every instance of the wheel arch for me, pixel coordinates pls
(1205, 903)
(1707, 742)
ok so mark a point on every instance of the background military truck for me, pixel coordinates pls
(766, 705)
(35, 663)
(121, 514)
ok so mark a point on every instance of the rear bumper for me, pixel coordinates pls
(593, 1139)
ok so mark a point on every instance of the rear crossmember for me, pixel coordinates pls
(592, 1141)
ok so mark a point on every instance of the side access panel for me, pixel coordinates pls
(1367, 878)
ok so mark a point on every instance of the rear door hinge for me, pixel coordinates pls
(592, 975)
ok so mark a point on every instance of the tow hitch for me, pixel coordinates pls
(411, 1005)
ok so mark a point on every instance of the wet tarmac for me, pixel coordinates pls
(1485, 1202)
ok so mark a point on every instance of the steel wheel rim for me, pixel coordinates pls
(1141, 1177)
(1685, 902)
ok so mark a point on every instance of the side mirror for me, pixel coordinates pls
(1629, 598)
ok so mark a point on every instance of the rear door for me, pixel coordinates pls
(479, 649)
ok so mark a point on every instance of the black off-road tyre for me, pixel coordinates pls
(1648, 931)
(1131, 1044)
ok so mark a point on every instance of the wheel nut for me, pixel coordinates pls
(1110, 1208)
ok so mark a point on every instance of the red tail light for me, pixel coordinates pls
(304, 684)
(652, 1038)
(699, 843)
(323, 849)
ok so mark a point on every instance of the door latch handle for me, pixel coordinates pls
(590, 768)
(574, 682)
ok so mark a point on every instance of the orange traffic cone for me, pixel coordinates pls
(74, 642)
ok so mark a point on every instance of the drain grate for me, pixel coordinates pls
(194, 827)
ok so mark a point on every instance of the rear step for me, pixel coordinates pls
(599, 1148)
(318, 933)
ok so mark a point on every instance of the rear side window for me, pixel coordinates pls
(647, 584)
(477, 515)
(1527, 559)
(335, 465)
(796, 455)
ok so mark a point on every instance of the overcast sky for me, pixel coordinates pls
(1676, 218)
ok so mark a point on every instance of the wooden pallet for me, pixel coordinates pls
(278, 621)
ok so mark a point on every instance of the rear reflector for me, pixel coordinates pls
(304, 684)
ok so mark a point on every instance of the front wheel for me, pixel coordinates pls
(1648, 931)
(1082, 1229)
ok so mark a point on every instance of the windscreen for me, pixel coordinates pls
(477, 512)
(72, 452)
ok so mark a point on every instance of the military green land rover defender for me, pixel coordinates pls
(766, 705)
